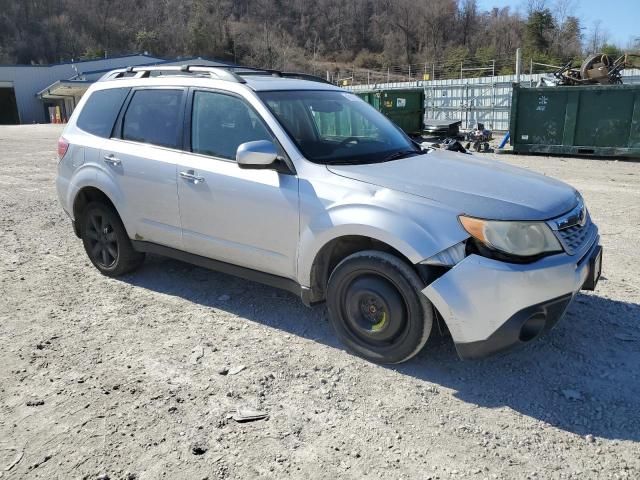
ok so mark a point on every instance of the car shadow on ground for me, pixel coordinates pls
(583, 377)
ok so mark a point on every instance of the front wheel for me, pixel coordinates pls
(376, 308)
(106, 241)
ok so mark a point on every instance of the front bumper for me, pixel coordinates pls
(489, 305)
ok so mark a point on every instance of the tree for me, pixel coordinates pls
(562, 10)
(597, 38)
(611, 50)
(309, 35)
(468, 20)
(539, 31)
(568, 43)
(404, 19)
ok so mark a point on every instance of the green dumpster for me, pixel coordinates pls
(403, 107)
(598, 120)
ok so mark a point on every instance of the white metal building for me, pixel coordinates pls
(33, 93)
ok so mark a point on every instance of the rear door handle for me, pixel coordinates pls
(111, 159)
(191, 176)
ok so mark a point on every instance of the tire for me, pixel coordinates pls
(376, 308)
(106, 241)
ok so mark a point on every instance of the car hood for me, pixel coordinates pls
(475, 186)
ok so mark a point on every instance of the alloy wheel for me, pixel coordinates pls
(103, 242)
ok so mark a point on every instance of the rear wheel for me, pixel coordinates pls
(106, 241)
(376, 308)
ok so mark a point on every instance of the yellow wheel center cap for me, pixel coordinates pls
(381, 323)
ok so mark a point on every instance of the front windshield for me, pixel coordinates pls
(337, 127)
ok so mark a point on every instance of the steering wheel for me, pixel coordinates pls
(348, 140)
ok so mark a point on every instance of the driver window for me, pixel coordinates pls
(220, 123)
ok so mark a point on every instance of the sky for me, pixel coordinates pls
(620, 18)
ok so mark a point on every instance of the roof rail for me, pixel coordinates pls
(231, 74)
(278, 73)
(220, 73)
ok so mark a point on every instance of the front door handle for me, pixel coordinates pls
(111, 159)
(191, 176)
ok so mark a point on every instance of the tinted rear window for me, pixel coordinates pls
(153, 117)
(101, 110)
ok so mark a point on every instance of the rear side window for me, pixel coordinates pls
(153, 116)
(101, 110)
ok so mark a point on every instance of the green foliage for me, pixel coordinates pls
(506, 70)
(539, 31)
(91, 53)
(485, 55)
(146, 41)
(455, 58)
(611, 50)
(546, 59)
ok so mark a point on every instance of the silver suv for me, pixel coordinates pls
(299, 184)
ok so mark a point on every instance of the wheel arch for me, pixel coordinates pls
(336, 250)
(344, 227)
(86, 195)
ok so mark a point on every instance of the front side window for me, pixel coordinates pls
(101, 110)
(337, 127)
(153, 116)
(220, 123)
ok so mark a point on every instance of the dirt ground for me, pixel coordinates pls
(124, 378)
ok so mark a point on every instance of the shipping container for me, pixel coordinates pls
(403, 107)
(598, 120)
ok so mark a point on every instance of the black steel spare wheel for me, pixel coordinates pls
(106, 241)
(374, 310)
(376, 307)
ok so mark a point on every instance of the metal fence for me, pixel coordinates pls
(485, 99)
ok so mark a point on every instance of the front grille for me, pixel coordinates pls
(574, 229)
(577, 237)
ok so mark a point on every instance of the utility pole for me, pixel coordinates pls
(531, 72)
(518, 64)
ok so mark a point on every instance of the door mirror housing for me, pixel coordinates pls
(260, 154)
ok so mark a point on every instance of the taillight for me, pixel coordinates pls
(63, 146)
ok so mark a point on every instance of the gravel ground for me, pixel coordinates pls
(125, 378)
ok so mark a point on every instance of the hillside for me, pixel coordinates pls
(310, 35)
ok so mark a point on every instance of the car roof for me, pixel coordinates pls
(194, 75)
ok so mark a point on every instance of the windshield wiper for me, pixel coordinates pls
(400, 154)
(367, 161)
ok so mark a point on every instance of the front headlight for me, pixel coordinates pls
(523, 239)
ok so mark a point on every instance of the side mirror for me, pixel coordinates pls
(256, 155)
